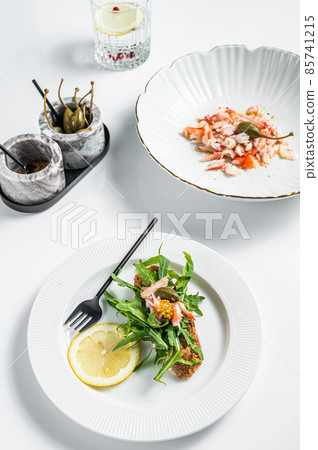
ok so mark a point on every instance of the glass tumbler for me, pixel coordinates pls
(122, 33)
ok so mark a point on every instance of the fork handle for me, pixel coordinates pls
(127, 256)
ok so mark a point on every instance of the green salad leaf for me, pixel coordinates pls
(152, 261)
(135, 309)
(189, 339)
(193, 303)
(163, 266)
(169, 362)
(148, 276)
(123, 283)
(187, 273)
(172, 337)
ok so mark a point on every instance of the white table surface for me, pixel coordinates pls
(48, 40)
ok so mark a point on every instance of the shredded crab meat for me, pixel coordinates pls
(284, 152)
(228, 151)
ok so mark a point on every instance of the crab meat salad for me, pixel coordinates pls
(232, 141)
(162, 313)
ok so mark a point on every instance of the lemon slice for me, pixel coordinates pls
(93, 361)
(117, 23)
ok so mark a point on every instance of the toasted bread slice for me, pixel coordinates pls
(184, 371)
(180, 370)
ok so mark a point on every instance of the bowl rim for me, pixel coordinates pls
(24, 177)
(246, 47)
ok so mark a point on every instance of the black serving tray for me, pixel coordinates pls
(72, 177)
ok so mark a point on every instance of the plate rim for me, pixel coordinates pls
(72, 259)
(230, 196)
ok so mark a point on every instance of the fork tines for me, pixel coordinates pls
(78, 317)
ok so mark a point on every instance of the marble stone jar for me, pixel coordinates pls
(38, 187)
(79, 149)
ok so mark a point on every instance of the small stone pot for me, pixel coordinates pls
(79, 149)
(35, 188)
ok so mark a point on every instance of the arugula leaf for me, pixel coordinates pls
(182, 286)
(134, 309)
(133, 336)
(193, 302)
(173, 275)
(183, 281)
(123, 283)
(176, 357)
(163, 266)
(111, 300)
(155, 337)
(188, 268)
(143, 333)
(152, 323)
(143, 362)
(151, 261)
(171, 336)
(148, 276)
(151, 317)
(191, 341)
(162, 356)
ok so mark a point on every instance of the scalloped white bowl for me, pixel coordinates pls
(195, 85)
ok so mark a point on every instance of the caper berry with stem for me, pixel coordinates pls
(73, 121)
(254, 132)
(67, 113)
(167, 294)
(84, 113)
(77, 118)
(90, 92)
(57, 129)
(84, 129)
(91, 105)
(84, 96)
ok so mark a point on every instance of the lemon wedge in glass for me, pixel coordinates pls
(117, 19)
(93, 360)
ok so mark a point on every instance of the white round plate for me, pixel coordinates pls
(140, 409)
(195, 85)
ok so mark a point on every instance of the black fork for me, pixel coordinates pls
(89, 311)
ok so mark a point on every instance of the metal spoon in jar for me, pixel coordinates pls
(28, 168)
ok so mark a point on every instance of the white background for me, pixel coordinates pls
(48, 40)
(309, 246)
